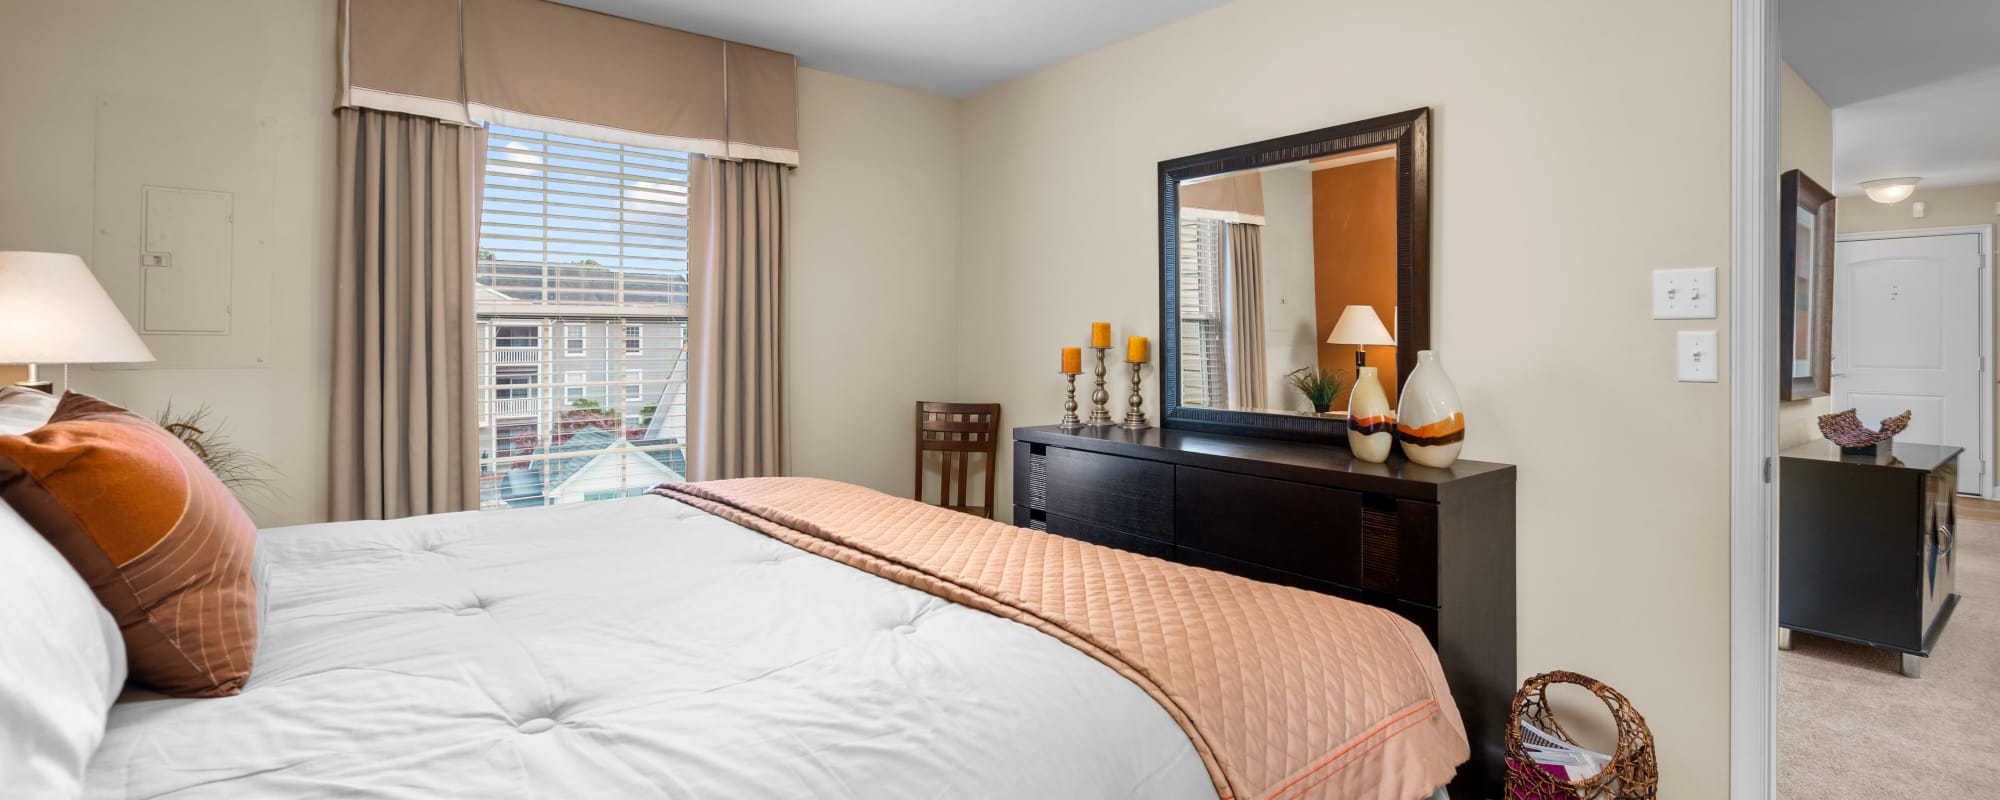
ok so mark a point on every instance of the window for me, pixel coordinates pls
(514, 382)
(1203, 382)
(516, 336)
(582, 247)
(517, 437)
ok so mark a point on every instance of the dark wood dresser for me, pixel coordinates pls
(1434, 545)
(1865, 550)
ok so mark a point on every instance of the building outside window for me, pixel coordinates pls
(573, 341)
(517, 336)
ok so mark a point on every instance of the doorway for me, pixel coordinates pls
(1912, 331)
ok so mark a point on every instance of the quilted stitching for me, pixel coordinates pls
(1285, 693)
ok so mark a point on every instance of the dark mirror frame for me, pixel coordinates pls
(1410, 132)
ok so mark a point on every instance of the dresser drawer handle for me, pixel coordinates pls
(1946, 538)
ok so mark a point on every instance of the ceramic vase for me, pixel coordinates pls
(1429, 419)
(1370, 428)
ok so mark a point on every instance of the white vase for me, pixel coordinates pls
(1429, 419)
(1370, 428)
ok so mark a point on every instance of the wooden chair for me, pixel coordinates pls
(957, 431)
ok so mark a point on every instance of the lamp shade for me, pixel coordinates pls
(52, 311)
(1359, 325)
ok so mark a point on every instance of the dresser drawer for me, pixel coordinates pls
(1299, 528)
(1086, 532)
(1127, 495)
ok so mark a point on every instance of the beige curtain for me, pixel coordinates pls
(1246, 316)
(405, 422)
(734, 422)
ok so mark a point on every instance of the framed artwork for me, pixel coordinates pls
(1805, 288)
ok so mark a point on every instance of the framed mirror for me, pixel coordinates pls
(1291, 258)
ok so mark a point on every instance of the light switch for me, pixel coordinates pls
(1684, 293)
(1699, 360)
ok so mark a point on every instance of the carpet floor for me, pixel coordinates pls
(1851, 726)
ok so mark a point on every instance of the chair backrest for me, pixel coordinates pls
(957, 431)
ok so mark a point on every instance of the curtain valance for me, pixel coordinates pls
(1236, 197)
(551, 67)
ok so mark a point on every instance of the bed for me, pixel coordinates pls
(647, 647)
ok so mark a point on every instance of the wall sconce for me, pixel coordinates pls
(1890, 191)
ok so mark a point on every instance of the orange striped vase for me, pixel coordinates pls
(1429, 419)
(1370, 426)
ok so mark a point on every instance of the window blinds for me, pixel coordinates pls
(1204, 383)
(582, 297)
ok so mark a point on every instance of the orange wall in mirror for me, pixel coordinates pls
(1354, 261)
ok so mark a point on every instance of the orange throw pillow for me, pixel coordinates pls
(160, 540)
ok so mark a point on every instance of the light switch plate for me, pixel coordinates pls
(1684, 293)
(1699, 361)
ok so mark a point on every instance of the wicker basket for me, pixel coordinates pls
(1632, 773)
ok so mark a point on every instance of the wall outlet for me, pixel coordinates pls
(1699, 360)
(1684, 293)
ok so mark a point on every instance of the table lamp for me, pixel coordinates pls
(1359, 326)
(52, 311)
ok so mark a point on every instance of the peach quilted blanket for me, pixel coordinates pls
(1285, 693)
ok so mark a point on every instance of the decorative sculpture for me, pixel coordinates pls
(1845, 429)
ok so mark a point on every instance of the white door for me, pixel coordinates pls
(1906, 336)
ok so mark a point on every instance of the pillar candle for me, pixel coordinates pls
(1100, 334)
(1072, 360)
(1136, 350)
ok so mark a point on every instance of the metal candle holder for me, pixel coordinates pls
(1069, 420)
(1098, 397)
(1135, 418)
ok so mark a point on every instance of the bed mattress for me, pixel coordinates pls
(633, 648)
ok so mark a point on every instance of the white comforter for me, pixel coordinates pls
(633, 648)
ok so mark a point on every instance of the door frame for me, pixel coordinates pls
(1753, 402)
(1987, 489)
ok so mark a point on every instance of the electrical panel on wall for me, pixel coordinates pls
(186, 261)
(183, 209)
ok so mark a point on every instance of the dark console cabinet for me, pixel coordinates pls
(1866, 549)
(1434, 545)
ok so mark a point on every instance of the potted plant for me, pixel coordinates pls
(1319, 387)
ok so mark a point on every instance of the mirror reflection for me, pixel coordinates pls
(1287, 272)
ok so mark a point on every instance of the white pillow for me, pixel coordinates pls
(62, 664)
(23, 409)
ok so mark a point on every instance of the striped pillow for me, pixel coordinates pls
(161, 542)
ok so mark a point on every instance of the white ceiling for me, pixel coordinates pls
(948, 48)
(1914, 84)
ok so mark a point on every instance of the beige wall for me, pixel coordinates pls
(59, 58)
(1805, 143)
(873, 276)
(1943, 208)
(1546, 116)
(1287, 249)
(868, 297)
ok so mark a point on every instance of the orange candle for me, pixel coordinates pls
(1100, 334)
(1072, 360)
(1136, 350)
